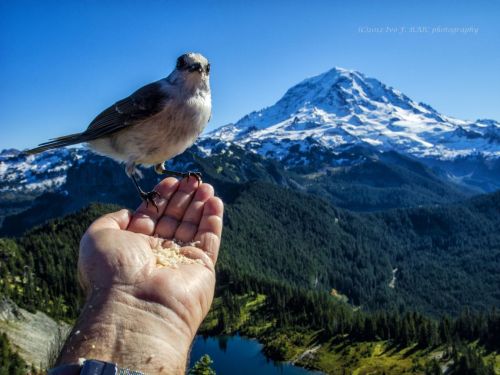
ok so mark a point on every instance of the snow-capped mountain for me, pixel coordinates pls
(34, 174)
(341, 108)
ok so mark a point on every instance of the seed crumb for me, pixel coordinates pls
(168, 254)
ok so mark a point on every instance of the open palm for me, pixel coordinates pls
(116, 251)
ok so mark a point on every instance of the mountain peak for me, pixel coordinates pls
(330, 77)
(344, 107)
(339, 92)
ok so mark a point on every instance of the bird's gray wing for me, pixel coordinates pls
(144, 103)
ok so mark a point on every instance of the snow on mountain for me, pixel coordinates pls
(341, 108)
(33, 174)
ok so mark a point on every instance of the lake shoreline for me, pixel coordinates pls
(277, 346)
(239, 345)
(247, 316)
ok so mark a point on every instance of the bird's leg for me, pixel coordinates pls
(160, 169)
(148, 197)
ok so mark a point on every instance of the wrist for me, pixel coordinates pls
(115, 326)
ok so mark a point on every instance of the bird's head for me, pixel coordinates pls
(193, 68)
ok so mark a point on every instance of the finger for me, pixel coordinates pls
(210, 228)
(198, 254)
(176, 208)
(146, 216)
(190, 221)
(114, 220)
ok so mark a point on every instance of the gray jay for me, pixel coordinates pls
(154, 124)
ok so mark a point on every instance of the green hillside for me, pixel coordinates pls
(376, 181)
(446, 257)
(325, 276)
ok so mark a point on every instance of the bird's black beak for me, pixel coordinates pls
(196, 67)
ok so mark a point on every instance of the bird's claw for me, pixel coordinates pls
(149, 197)
(160, 169)
(196, 175)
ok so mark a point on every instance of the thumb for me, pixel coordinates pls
(114, 220)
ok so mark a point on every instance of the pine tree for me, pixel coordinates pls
(203, 366)
(433, 368)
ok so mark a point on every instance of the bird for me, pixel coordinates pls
(153, 124)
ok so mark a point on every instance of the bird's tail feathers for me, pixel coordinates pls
(63, 141)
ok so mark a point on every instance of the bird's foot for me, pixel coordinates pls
(160, 169)
(196, 175)
(149, 197)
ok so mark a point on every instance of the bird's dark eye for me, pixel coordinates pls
(181, 63)
(208, 68)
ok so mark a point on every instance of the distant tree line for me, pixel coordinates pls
(292, 306)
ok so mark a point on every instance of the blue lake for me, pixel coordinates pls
(238, 355)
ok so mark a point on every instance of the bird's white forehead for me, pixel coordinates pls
(193, 57)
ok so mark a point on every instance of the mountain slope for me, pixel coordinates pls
(382, 181)
(377, 181)
(446, 257)
(34, 174)
(341, 107)
(341, 110)
(36, 337)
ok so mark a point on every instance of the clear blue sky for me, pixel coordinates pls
(62, 62)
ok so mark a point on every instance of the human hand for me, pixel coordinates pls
(148, 316)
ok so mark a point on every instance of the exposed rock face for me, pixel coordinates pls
(36, 337)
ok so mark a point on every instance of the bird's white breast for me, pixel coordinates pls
(164, 135)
